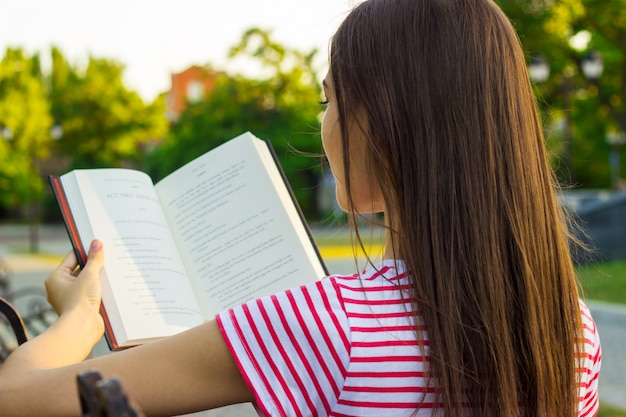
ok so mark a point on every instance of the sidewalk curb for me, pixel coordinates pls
(606, 306)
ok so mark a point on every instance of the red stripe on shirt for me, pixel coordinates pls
(302, 357)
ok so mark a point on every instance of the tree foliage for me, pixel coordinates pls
(104, 123)
(24, 128)
(591, 109)
(81, 116)
(281, 106)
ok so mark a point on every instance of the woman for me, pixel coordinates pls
(474, 310)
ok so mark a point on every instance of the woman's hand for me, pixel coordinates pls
(191, 371)
(76, 294)
(70, 288)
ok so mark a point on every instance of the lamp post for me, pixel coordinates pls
(538, 69)
(591, 66)
(615, 140)
(539, 72)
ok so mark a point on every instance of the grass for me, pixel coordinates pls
(604, 281)
(608, 411)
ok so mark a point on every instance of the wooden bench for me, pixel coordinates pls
(10, 317)
(24, 312)
(104, 397)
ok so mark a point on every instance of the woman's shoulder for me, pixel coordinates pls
(379, 286)
(590, 331)
(384, 276)
(387, 271)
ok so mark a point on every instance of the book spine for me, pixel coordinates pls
(68, 219)
(79, 250)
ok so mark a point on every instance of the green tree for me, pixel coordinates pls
(24, 128)
(104, 123)
(281, 107)
(589, 108)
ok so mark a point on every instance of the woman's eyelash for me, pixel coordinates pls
(323, 102)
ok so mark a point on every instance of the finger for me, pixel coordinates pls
(95, 258)
(69, 262)
(88, 278)
(62, 274)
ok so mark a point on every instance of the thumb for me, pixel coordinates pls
(95, 258)
(89, 277)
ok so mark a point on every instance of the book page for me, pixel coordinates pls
(236, 237)
(147, 282)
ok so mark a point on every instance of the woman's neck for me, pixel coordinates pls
(389, 252)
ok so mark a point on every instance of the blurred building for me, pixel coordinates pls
(189, 87)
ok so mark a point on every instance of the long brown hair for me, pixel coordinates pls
(454, 138)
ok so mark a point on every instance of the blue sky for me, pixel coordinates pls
(154, 38)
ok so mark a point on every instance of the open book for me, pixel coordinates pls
(223, 229)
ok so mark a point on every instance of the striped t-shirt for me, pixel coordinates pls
(347, 346)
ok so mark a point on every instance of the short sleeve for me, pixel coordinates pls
(292, 348)
(588, 401)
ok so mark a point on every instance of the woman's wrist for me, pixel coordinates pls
(84, 321)
(71, 338)
(68, 340)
